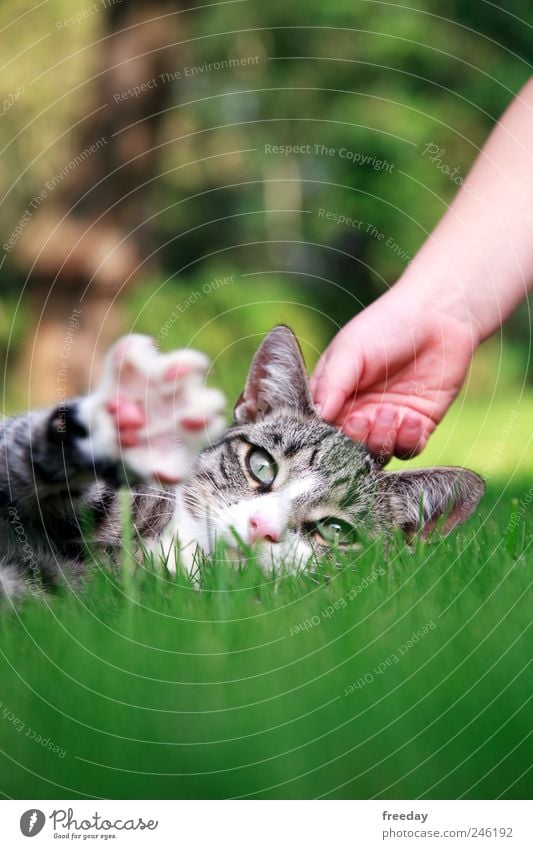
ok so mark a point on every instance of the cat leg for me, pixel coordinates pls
(45, 486)
(151, 412)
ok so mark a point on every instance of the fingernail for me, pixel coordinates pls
(411, 422)
(318, 409)
(357, 426)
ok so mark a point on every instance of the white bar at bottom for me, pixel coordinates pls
(268, 824)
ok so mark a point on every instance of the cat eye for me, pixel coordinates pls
(262, 467)
(336, 532)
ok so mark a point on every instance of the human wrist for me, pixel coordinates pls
(430, 292)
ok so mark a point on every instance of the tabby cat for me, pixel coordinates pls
(279, 480)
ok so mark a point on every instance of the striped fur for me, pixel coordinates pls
(56, 496)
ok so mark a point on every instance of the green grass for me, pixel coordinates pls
(149, 688)
(152, 689)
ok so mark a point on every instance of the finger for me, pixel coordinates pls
(381, 440)
(318, 372)
(357, 427)
(351, 406)
(410, 445)
(409, 436)
(336, 382)
(329, 400)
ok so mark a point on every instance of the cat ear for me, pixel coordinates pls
(418, 498)
(277, 379)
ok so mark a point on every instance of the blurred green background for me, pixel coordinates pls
(373, 81)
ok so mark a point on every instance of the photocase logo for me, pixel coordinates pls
(32, 822)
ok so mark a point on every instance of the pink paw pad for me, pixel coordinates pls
(166, 478)
(193, 424)
(176, 372)
(128, 414)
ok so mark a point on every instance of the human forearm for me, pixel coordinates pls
(477, 264)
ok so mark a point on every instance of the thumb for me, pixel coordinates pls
(335, 379)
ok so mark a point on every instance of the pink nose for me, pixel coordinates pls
(261, 527)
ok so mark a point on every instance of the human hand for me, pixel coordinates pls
(391, 373)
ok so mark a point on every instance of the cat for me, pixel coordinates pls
(279, 481)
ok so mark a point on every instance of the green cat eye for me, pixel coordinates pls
(262, 466)
(337, 532)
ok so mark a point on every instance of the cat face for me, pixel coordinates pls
(293, 486)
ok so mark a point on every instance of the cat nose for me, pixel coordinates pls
(263, 528)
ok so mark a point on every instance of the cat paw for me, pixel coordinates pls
(153, 411)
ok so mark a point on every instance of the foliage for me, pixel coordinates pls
(379, 80)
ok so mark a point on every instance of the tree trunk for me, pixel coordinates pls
(89, 239)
